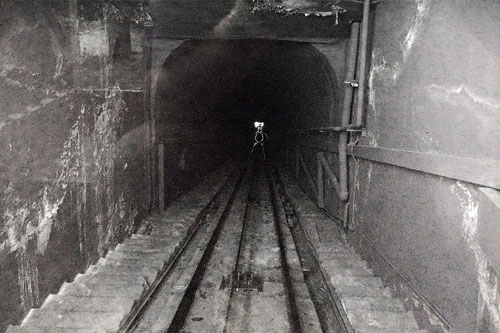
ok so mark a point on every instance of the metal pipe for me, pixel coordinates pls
(346, 111)
(327, 129)
(350, 75)
(362, 64)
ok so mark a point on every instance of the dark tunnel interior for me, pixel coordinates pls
(216, 90)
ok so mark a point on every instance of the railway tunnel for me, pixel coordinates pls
(212, 92)
(131, 201)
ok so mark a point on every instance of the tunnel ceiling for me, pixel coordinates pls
(302, 20)
(224, 86)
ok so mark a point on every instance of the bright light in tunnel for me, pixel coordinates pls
(258, 124)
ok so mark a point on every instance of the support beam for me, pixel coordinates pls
(482, 172)
(340, 189)
(308, 174)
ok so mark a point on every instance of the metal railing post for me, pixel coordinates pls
(346, 111)
(297, 162)
(321, 194)
(161, 177)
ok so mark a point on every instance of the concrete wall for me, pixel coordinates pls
(418, 208)
(72, 145)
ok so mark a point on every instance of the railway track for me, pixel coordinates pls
(244, 274)
(238, 260)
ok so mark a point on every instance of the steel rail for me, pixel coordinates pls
(293, 314)
(187, 300)
(130, 322)
(306, 253)
(250, 200)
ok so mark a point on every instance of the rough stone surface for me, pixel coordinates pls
(299, 20)
(72, 144)
(99, 299)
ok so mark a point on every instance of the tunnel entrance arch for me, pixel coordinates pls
(209, 93)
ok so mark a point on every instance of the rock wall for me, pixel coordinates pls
(72, 150)
(424, 202)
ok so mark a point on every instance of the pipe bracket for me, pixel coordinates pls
(353, 83)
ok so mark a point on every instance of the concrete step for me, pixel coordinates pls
(140, 236)
(169, 233)
(373, 303)
(335, 246)
(134, 262)
(92, 276)
(382, 319)
(105, 321)
(369, 329)
(145, 248)
(326, 256)
(88, 304)
(148, 273)
(97, 289)
(359, 271)
(356, 281)
(125, 254)
(152, 242)
(362, 291)
(37, 329)
(332, 265)
(159, 220)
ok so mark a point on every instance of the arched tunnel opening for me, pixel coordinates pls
(209, 94)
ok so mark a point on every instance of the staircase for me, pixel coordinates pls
(100, 299)
(369, 305)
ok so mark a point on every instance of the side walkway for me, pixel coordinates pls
(370, 307)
